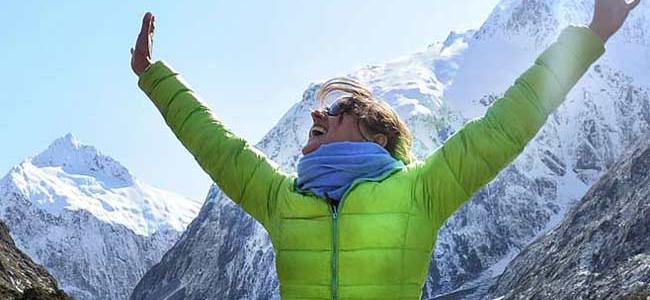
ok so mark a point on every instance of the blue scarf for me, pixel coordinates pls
(330, 170)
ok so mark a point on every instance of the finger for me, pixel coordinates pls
(152, 23)
(633, 4)
(150, 36)
(142, 44)
(146, 22)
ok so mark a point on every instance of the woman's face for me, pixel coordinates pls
(327, 129)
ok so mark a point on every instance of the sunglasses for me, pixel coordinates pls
(337, 108)
(341, 106)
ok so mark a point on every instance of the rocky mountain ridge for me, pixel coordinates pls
(20, 277)
(600, 250)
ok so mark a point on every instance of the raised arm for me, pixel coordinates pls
(240, 171)
(475, 154)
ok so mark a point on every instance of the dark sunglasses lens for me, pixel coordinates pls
(335, 109)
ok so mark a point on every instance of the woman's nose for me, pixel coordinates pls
(317, 114)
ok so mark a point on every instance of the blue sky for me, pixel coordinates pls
(66, 67)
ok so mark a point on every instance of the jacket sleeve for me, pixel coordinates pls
(243, 173)
(475, 154)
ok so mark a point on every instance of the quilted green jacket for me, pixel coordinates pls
(378, 242)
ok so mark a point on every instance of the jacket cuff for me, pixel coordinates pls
(583, 42)
(153, 75)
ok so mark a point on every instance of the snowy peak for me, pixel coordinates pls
(536, 23)
(455, 38)
(75, 158)
(520, 18)
(88, 220)
(70, 176)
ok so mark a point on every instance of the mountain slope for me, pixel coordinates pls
(84, 217)
(20, 277)
(600, 250)
(436, 91)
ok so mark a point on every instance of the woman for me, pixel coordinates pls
(360, 220)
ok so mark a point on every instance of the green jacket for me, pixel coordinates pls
(378, 243)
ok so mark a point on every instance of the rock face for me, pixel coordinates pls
(20, 277)
(188, 271)
(226, 254)
(601, 250)
(85, 218)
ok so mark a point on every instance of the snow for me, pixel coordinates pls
(88, 220)
(471, 84)
(74, 158)
(72, 176)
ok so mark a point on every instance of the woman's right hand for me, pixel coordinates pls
(141, 54)
(609, 16)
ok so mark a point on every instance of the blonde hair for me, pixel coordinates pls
(375, 115)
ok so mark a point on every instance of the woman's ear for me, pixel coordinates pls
(380, 139)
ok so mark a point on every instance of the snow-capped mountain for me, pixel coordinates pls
(88, 220)
(225, 254)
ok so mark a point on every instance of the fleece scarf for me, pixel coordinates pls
(330, 170)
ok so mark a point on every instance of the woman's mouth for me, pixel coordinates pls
(316, 135)
(317, 130)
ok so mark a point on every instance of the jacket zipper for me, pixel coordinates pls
(334, 248)
(335, 217)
